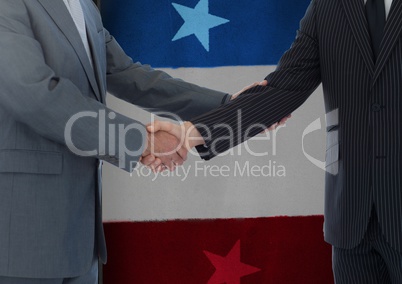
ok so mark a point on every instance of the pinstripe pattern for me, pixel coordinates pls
(372, 261)
(332, 47)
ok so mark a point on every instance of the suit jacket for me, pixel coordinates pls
(364, 124)
(50, 196)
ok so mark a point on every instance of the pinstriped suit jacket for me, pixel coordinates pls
(364, 153)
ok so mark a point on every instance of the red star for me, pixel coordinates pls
(229, 269)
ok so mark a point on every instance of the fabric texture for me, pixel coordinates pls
(90, 277)
(76, 12)
(54, 132)
(271, 251)
(373, 261)
(363, 155)
(375, 11)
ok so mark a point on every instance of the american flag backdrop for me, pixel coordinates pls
(253, 215)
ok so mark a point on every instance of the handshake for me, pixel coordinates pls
(168, 143)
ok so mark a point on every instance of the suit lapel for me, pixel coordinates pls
(354, 11)
(392, 32)
(92, 33)
(96, 66)
(60, 15)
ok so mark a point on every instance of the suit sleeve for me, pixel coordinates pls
(32, 94)
(295, 79)
(155, 90)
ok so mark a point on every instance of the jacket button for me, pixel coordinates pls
(376, 107)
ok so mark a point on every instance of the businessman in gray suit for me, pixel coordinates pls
(354, 48)
(57, 63)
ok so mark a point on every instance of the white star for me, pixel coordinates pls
(197, 21)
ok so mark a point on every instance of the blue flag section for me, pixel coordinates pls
(204, 33)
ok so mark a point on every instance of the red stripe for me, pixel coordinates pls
(281, 249)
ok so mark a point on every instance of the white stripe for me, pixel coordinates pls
(198, 196)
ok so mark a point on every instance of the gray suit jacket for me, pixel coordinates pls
(49, 196)
(364, 106)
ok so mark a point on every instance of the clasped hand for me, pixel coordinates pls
(168, 143)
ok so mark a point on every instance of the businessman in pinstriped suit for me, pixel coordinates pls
(354, 49)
